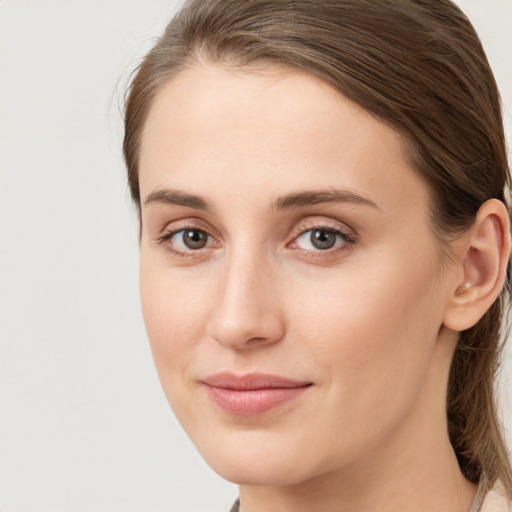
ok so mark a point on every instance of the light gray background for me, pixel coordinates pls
(84, 424)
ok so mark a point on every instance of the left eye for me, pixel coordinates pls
(190, 239)
(320, 239)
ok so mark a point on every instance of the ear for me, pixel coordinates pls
(482, 267)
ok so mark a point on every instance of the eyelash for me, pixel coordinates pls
(348, 241)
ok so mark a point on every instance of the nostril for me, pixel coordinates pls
(256, 339)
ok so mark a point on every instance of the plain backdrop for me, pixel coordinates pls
(84, 424)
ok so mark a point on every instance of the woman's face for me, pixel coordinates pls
(291, 285)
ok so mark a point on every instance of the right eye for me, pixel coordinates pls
(189, 239)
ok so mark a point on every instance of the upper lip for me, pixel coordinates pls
(251, 381)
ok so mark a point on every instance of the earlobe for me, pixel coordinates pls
(485, 250)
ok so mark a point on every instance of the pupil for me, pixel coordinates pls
(322, 239)
(195, 239)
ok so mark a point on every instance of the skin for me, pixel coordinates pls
(365, 322)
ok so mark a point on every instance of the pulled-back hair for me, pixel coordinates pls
(417, 65)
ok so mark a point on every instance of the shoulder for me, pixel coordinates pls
(496, 500)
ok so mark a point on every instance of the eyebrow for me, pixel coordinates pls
(177, 197)
(309, 198)
(289, 201)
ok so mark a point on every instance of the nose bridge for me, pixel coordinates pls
(247, 311)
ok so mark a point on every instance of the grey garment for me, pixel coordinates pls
(479, 498)
(236, 506)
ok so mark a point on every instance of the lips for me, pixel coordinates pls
(252, 394)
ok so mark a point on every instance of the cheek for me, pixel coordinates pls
(372, 330)
(173, 306)
(175, 313)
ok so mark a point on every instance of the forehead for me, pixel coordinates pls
(265, 131)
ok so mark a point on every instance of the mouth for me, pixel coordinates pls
(253, 393)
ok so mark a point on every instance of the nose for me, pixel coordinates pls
(247, 314)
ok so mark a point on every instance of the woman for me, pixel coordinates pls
(324, 241)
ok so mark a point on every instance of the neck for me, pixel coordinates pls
(411, 481)
(414, 468)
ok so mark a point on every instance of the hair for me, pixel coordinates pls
(418, 66)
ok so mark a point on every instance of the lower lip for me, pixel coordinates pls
(252, 402)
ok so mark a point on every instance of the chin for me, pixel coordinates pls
(256, 459)
(246, 472)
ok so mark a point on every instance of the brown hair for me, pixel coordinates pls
(419, 66)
